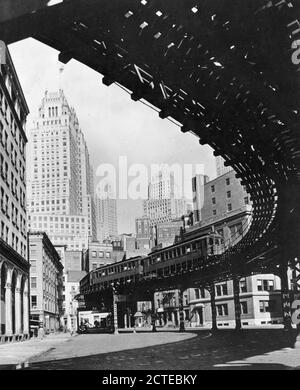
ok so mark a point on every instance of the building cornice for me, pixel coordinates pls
(14, 257)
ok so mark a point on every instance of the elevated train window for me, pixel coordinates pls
(178, 252)
(160, 272)
(172, 269)
(184, 265)
(189, 263)
(194, 246)
(183, 250)
(178, 267)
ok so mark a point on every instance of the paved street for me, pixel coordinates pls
(62, 346)
(252, 349)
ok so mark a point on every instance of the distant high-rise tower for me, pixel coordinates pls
(221, 169)
(106, 218)
(161, 205)
(198, 183)
(60, 191)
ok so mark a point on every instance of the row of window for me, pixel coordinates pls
(49, 304)
(227, 181)
(214, 201)
(222, 289)
(16, 135)
(229, 208)
(101, 254)
(222, 309)
(265, 306)
(13, 184)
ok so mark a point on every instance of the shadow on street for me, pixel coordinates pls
(207, 352)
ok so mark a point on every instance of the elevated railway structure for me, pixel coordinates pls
(226, 71)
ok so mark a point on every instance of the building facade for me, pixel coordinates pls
(260, 300)
(46, 282)
(69, 230)
(106, 218)
(72, 284)
(14, 266)
(162, 204)
(143, 233)
(101, 253)
(72, 261)
(167, 232)
(166, 305)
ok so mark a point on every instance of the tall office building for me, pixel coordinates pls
(162, 205)
(221, 169)
(60, 193)
(198, 183)
(106, 218)
(14, 266)
(92, 207)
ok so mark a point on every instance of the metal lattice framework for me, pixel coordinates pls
(226, 71)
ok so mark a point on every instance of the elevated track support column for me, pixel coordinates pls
(153, 314)
(237, 303)
(296, 299)
(115, 310)
(212, 292)
(181, 312)
(285, 297)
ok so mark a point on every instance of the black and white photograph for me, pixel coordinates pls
(149, 189)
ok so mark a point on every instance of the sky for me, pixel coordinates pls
(114, 126)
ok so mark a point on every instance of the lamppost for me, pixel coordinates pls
(115, 307)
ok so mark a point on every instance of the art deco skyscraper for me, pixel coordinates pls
(162, 205)
(59, 187)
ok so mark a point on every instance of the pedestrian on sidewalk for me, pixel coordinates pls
(41, 333)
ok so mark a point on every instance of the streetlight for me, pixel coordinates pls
(115, 307)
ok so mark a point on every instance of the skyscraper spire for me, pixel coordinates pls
(60, 77)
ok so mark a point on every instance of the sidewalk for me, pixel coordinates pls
(13, 355)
